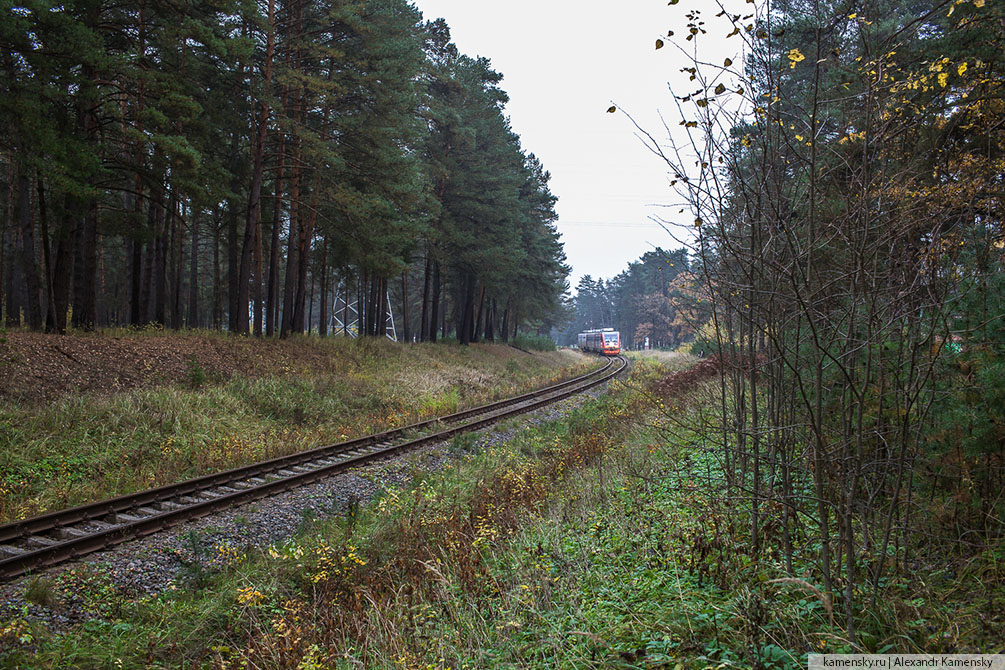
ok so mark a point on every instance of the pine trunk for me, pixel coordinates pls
(85, 291)
(160, 269)
(135, 281)
(310, 304)
(193, 277)
(382, 321)
(305, 239)
(178, 237)
(272, 322)
(479, 322)
(404, 306)
(8, 224)
(256, 278)
(29, 266)
(490, 331)
(62, 268)
(12, 284)
(463, 311)
(504, 330)
(146, 293)
(323, 307)
(252, 222)
(233, 258)
(345, 307)
(434, 304)
(426, 299)
(43, 218)
(292, 260)
(217, 278)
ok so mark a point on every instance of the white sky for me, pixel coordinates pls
(563, 64)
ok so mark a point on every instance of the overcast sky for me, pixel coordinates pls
(563, 64)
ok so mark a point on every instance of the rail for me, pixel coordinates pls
(57, 537)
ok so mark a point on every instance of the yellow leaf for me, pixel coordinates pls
(659, 44)
(978, 3)
(795, 56)
(943, 78)
(612, 109)
(962, 68)
(727, 62)
(736, 31)
(852, 15)
(720, 89)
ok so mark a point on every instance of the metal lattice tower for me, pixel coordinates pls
(345, 315)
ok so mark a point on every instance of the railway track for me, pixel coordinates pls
(47, 540)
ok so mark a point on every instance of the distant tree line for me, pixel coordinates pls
(656, 297)
(243, 164)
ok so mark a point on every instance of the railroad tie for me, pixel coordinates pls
(68, 533)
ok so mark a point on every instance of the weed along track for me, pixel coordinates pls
(41, 542)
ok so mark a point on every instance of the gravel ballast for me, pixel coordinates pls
(149, 566)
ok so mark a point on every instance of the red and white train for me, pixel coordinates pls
(606, 341)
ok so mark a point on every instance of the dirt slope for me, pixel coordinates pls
(37, 368)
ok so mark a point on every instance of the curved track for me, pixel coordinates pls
(47, 540)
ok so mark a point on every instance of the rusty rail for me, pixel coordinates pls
(50, 539)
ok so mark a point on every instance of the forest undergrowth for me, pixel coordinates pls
(600, 540)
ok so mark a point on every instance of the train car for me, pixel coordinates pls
(606, 341)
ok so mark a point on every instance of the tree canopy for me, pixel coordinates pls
(251, 165)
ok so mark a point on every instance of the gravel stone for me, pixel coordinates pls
(159, 562)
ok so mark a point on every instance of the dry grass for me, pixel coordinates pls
(83, 447)
(671, 359)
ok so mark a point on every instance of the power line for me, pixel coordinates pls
(606, 224)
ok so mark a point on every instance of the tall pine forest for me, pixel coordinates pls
(247, 166)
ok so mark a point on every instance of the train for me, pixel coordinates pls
(606, 341)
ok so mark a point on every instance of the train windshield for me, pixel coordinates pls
(610, 338)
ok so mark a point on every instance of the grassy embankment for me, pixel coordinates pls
(600, 540)
(303, 392)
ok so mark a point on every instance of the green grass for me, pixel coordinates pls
(84, 448)
(602, 540)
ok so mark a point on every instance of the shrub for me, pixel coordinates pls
(535, 342)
